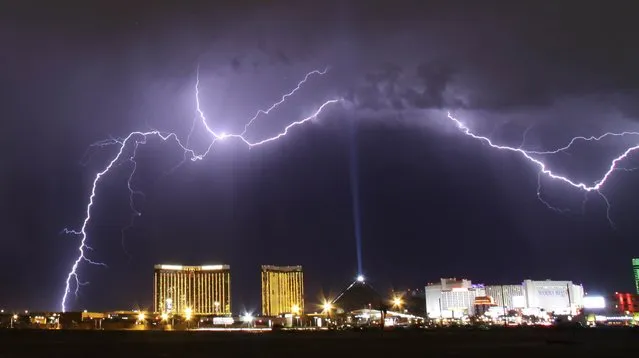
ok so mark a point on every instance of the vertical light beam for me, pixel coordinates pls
(354, 179)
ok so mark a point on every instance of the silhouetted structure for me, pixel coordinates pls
(359, 295)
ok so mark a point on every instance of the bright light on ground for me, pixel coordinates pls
(397, 301)
(247, 317)
(327, 306)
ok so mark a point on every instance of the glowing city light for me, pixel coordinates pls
(360, 278)
(212, 267)
(295, 309)
(188, 313)
(594, 302)
(397, 301)
(327, 306)
(247, 317)
(132, 142)
(165, 316)
(141, 317)
(171, 267)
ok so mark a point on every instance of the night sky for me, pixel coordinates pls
(432, 202)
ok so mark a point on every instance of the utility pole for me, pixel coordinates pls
(503, 301)
(569, 299)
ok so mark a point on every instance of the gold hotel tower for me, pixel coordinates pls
(282, 290)
(200, 289)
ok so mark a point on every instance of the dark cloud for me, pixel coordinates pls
(435, 77)
(391, 87)
(507, 59)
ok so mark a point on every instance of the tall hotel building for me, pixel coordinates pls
(635, 272)
(201, 289)
(282, 290)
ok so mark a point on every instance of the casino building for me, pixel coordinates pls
(202, 290)
(282, 290)
(454, 298)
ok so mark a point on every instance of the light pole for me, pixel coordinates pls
(296, 312)
(327, 310)
(188, 313)
(248, 318)
(397, 302)
(165, 318)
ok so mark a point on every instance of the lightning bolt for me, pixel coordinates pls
(134, 139)
(283, 99)
(530, 155)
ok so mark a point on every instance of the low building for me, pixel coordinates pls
(357, 296)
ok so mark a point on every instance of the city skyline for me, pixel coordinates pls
(205, 290)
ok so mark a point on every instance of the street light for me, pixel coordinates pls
(327, 306)
(248, 318)
(217, 307)
(188, 314)
(296, 311)
(327, 309)
(397, 302)
(165, 316)
(141, 317)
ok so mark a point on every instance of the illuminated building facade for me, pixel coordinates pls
(282, 290)
(626, 302)
(560, 297)
(459, 301)
(507, 296)
(451, 298)
(635, 271)
(196, 289)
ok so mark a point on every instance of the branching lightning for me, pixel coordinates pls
(532, 156)
(134, 139)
